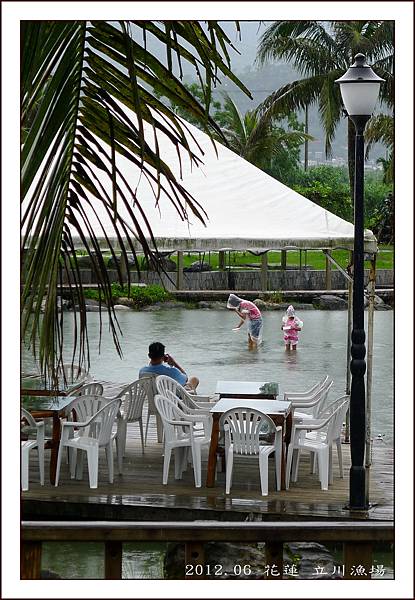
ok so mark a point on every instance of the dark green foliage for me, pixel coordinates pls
(142, 296)
(329, 188)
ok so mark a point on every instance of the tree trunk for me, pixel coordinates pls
(350, 154)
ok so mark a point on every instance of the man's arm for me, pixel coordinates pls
(170, 361)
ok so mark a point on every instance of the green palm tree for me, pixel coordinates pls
(381, 129)
(322, 52)
(256, 137)
(77, 79)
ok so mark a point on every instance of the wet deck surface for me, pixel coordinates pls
(139, 492)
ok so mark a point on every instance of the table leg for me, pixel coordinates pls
(56, 434)
(211, 469)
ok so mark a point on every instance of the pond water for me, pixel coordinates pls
(203, 343)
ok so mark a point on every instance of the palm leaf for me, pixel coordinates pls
(77, 80)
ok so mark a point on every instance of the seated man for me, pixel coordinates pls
(172, 369)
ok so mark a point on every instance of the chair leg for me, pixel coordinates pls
(296, 464)
(323, 468)
(119, 456)
(73, 455)
(288, 466)
(339, 455)
(178, 462)
(58, 462)
(140, 423)
(147, 422)
(92, 457)
(25, 469)
(122, 434)
(166, 464)
(41, 457)
(330, 465)
(160, 431)
(263, 473)
(197, 465)
(229, 468)
(110, 459)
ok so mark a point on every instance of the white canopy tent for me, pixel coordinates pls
(246, 208)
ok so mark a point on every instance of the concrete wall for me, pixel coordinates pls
(248, 280)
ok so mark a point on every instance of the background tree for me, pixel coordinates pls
(261, 140)
(77, 79)
(321, 52)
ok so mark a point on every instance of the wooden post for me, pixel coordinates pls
(357, 559)
(30, 560)
(274, 560)
(113, 560)
(328, 273)
(194, 553)
(283, 259)
(264, 271)
(222, 260)
(179, 280)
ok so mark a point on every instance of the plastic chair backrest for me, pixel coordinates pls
(244, 428)
(320, 406)
(27, 417)
(169, 411)
(133, 397)
(72, 373)
(340, 416)
(151, 391)
(106, 417)
(91, 389)
(164, 383)
(86, 406)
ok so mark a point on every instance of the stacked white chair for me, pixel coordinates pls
(317, 436)
(312, 405)
(243, 428)
(132, 399)
(32, 444)
(168, 387)
(90, 435)
(151, 407)
(179, 436)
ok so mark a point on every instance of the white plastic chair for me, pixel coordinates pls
(151, 407)
(317, 436)
(91, 435)
(91, 389)
(27, 445)
(179, 436)
(312, 406)
(164, 383)
(72, 373)
(308, 393)
(132, 401)
(243, 428)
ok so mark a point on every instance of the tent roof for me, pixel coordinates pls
(247, 209)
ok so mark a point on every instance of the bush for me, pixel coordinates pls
(142, 296)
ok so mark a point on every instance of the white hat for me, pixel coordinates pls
(290, 311)
(233, 301)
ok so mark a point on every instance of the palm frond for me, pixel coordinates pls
(77, 81)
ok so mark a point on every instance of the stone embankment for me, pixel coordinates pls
(321, 302)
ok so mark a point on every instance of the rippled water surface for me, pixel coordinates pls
(202, 341)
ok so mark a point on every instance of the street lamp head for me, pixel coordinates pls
(359, 88)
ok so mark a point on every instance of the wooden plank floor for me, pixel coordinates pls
(140, 485)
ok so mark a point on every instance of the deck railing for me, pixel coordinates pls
(357, 537)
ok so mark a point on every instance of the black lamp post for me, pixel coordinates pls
(359, 88)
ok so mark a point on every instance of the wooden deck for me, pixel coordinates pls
(139, 492)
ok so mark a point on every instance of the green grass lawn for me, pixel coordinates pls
(315, 258)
